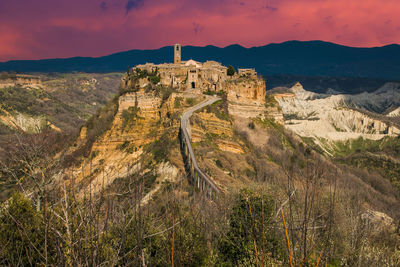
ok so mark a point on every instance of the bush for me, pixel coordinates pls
(220, 110)
(127, 147)
(177, 102)
(161, 148)
(230, 71)
(129, 116)
(21, 233)
(236, 248)
(190, 101)
(209, 92)
(270, 101)
(251, 125)
(154, 79)
(166, 93)
(218, 163)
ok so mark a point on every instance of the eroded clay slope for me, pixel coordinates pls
(337, 117)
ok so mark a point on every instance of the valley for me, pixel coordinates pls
(326, 163)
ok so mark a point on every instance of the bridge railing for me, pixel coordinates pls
(199, 178)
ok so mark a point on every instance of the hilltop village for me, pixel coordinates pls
(151, 102)
(208, 77)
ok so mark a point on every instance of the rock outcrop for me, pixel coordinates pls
(246, 97)
(135, 127)
(20, 80)
(330, 116)
(141, 118)
(23, 122)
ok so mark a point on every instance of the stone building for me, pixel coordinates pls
(185, 75)
(207, 76)
(247, 73)
(177, 54)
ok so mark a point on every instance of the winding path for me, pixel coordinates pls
(202, 180)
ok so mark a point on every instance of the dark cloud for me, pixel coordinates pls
(271, 8)
(242, 3)
(103, 6)
(197, 28)
(133, 4)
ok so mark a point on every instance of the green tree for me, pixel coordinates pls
(21, 233)
(243, 242)
(231, 70)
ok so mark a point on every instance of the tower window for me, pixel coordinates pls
(177, 48)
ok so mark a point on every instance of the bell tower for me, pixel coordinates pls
(177, 53)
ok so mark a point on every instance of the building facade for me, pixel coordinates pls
(190, 74)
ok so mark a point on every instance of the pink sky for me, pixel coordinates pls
(36, 29)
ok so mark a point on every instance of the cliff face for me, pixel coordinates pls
(246, 97)
(24, 123)
(215, 144)
(246, 89)
(142, 118)
(207, 127)
(133, 125)
(20, 80)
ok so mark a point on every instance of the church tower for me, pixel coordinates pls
(177, 53)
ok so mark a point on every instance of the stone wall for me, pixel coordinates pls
(246, 90)
(206, 76)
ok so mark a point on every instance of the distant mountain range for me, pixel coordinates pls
(311, 58)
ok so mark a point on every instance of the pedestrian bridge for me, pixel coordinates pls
(197, 177)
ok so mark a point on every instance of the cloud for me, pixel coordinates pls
(271, 8)
(197, 28)
(103, 6)
(133, 4)
(388, 21)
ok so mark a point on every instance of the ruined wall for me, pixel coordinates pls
(212, 79)
(247, 72)
(246, 97)
(246, 90)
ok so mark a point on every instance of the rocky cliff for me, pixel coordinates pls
(10, 80)
(246, 97)
(333, 116)
(207, 126)
(142, 139)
